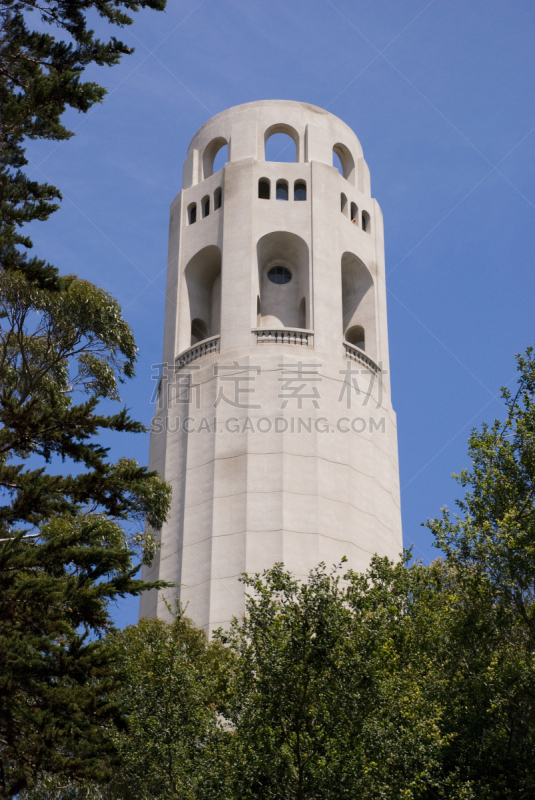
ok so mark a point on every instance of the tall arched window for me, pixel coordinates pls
(203, 282)
(280, 147)
(354, 213)
(192, 213)
(300, 190)
(205, 205)
(281, 143)
(264, 189)
(218, 195)
(221, 158)
(358, 304)
(343, 204)
(344, 162)
(283, 280)
(337, 164)
(282, 190)
(366, 223)
(214, 157)
(199, 331)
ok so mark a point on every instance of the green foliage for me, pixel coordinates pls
(492, 548)
(329, 696)
(53, 344)
(55, 680)
(173, 689)
(40, 77)
(285, 692)
(496, 535)
(64, 553)
(172, 685)
(407, 681)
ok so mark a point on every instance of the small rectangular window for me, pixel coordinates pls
(282, 190)
(300, 190)
(263, 189)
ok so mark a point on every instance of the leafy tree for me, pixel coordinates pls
(53, 344)
(172, 684)
(173, 689)
(284, 696)
(64, 554)
(492, 549)
(329, 695)
(410, 681)
(496, 535)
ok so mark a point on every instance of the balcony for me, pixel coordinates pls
(356, 354)
(210, 345)
(292, 336)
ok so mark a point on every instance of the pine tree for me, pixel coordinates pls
(64, 552)
(40, 76)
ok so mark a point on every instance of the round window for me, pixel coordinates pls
(279, 275)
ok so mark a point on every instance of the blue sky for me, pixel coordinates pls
(441, 97)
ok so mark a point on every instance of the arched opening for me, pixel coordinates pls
(281, 147)
(337, 164)
(354, 213)
(344, 162)
(366, 222)
(203, 281)
(221, 158)
(282, 190)
(283, 279)
(300, 190)
(205, 206)
(192, 213)
(303, 313)
(358, 303)
(281, 143)
(264, 189)
(355, 335)
(218, 197)
(199, 331)
(343, 204)
(258, 313)
(215, 156)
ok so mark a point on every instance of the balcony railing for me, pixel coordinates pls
(284, 336)
(210, 345)
(356, 354)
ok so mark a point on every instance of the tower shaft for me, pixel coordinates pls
(274, 423)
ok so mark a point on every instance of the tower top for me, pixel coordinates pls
(247, 127)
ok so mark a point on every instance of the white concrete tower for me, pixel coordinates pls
(274, 424)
